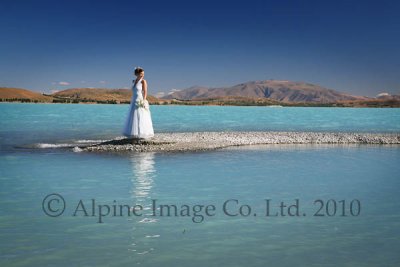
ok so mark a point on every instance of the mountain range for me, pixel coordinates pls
(283, 91)
(265, 92)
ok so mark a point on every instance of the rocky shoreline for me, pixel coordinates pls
(201, 141)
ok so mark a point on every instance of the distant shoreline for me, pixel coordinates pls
(247, 94)
(190, 103)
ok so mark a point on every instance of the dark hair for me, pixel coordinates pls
(138, 70)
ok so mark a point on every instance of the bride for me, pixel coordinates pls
(138, 124)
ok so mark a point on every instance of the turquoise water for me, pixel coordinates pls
(364, 173)
(61, 123)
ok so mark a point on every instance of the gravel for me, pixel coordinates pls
(198, 141)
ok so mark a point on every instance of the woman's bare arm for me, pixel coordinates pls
(144, 88)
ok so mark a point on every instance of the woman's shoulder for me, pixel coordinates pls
(144, 81)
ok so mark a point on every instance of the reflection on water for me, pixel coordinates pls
(143, 172)
(143, 175)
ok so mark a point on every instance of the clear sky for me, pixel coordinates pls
(350, 46)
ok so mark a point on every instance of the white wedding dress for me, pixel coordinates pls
(138, 122)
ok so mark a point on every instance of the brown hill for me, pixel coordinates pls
(285, 91)
(7, 93)
(386, 96)
(98, 94)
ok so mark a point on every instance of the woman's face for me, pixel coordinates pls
(140, 75)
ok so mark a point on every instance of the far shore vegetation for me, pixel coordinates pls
(214, 102)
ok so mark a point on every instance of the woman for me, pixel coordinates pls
(138, 123)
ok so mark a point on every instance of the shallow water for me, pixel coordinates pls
(53, 124)
(29, 237)
(280, 173)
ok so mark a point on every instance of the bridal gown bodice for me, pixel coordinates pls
(137, 90)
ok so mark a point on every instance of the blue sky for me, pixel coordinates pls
(350, 46)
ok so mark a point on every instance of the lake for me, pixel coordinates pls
(328, 205)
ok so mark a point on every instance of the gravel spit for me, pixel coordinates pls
(199, 141)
